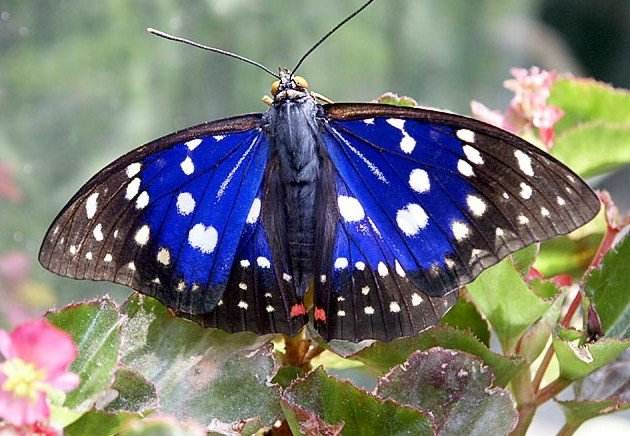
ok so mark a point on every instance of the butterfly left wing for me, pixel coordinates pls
(427, 200)
(169, 220)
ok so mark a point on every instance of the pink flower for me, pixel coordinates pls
(37, 357)
(529, 108)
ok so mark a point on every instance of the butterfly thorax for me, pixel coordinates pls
(292, 128)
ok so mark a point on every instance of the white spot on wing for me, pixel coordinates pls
(416, 299)
(522, 219)
(164, 256)
(524, 162)
(142, 235)
(341, 263)
(382, 269)
(359, 265)
(91, 205)
(142, 201)
(472, 154)
(399, 269)
(193, 143)
(560, 201)
(407, 143)
(133, 169)
(245, 263)
(132, 189)
(185, 203)
(544, 211)
(242, 286)
(341, 313)
(411, 219)
(269, 308)
(464, 168)
(476, 205)
(350, 208)
(526, 191)
(254, 212)
(187, 165)
(108, 258)
(365, 290)
(286, 277)
(369, 121)
(460, 230)
(419, 180)
(394, 307)
(368, 310)
(73, 250)
(203, 238)
(98, 232)
(466, 135)
(263, 262)
(243, 305)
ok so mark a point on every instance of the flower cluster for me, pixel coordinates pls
(529, 108)
(37, 358)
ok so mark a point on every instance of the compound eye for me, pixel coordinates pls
(275, 87)
(300, 82)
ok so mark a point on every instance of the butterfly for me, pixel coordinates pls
(383, 211)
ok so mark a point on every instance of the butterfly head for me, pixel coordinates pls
(288, 86)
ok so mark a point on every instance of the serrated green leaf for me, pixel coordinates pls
(95, 328)
(607, 287)
(456, 388)
(382, 356)
(133, 393)
(199, 373)
(465, 316)
(319, 397)
(503, 298)
(584, 100)
(580, 147)
(577, 361)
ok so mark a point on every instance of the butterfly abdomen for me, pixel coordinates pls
(293, 134)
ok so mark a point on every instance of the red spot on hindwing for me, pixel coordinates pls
(320, 314)
(298, 310)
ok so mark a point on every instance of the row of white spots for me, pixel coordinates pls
(419, 180)
(350, 208)
(254, 211)
(411, 219)
(407, 143)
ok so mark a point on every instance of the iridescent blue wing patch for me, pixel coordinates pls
(169, 220)
(430, 199)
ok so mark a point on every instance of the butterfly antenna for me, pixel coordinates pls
(329, 33)
(212, 49)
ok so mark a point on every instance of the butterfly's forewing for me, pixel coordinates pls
(168, 219)
(445, 197)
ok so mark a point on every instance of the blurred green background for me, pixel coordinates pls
(82, 83)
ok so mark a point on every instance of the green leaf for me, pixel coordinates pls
(577, 361)
(456, 388)
(607, 287)
(396, 100)
(503, 298)
(584, 100)
(566, 255)
(95, 328)
(580, 147)
(545, 289)
(202, 374)
(98, 423)
(133, 393)
(524, 259)
(535, 339)
(576, 412)
(465, 316)
(319, 400)
(381, 356)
